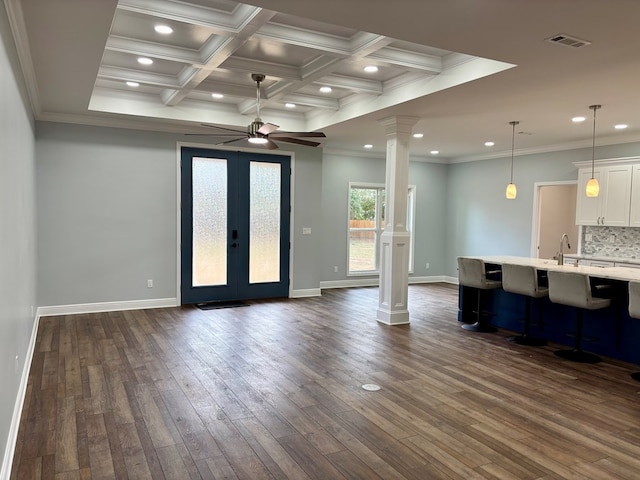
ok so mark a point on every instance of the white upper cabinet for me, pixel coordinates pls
(611, 207)
(634, 216)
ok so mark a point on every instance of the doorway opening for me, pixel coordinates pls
(554, 214)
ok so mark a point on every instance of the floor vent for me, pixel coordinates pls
(568, 41)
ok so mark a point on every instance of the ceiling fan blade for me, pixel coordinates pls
(297, 134)
(223, 128)
(218, 134)
(267, 128)
(230, 141)
(299, 141)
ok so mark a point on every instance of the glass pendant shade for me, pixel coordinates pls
(593, 188)
(511, 191)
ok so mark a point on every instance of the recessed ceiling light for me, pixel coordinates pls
(489, 144)
(217, 95)
(163, 29)
(133, 84)
(578, 119)
(144, 61)
(371, 69)
(418, 135)
(620, 126)
(290, 105)
(325, 89)
(435, 152)
(368, 145)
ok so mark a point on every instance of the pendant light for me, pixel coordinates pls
(511, 188)
(593, 188)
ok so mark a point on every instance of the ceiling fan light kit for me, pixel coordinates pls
(263, 134)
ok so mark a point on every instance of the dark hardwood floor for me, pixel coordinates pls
(273, 390)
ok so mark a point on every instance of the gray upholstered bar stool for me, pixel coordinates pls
(472, 273)
(634, 310)
(574, 289)
(523, 280)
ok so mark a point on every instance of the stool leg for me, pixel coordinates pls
(525, 338)
(577, 354)
(479, 325)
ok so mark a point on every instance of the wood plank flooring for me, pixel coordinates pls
(273, 391)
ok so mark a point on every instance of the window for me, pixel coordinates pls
(366, 223)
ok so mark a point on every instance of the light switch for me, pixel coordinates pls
(306, 231)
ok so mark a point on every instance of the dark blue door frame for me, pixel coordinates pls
(238, 286)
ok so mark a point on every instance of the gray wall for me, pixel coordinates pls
(481, 221)
(17, 230)
(430, 181)
(107, 214)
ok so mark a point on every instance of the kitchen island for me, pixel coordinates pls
(609, 331)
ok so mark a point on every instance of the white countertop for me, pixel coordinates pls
(613, 273)
(603, 259)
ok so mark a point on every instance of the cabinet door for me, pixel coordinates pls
(634, 216)
(588, 209)
(616, 196)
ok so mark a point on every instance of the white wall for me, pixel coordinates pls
(17, 236)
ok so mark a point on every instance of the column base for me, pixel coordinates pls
(401, 317)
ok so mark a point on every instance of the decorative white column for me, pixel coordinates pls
(394, 248)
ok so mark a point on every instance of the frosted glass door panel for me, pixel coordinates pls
(209, 221)
(264, 222)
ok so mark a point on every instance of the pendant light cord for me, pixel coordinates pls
(593, 143)
(513, 143)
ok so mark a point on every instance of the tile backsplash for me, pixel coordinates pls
(626, 242)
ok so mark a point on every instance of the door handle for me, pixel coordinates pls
(234, 245)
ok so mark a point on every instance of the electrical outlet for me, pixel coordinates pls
(588, 237)
(306, 230)
(149, 283)
(612, 239)
(335, 269)
(427, 265)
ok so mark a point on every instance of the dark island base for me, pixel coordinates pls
(609, 332)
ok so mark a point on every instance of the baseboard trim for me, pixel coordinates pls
(374, 282)
(12, 438)
(107, 306)
(305, 292)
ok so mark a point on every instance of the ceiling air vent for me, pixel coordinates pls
(568, 41)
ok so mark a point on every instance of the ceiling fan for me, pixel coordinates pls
(263, 134)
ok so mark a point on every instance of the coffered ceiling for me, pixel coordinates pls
(465, 69)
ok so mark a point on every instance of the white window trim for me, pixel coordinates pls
(411, 208)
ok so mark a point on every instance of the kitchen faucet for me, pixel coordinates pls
(561, 255)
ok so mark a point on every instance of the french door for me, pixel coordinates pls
(235, 225)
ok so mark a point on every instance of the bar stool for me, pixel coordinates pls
(472, 273)
(523, 280)
(574, 289)
(634, 310)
